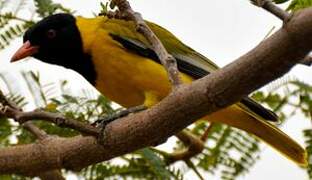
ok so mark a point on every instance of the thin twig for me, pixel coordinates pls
(55, 118)
(307, 60)
(204, 137)
(40, 134)
(168, 61)
(13, 17)
(274, 9)
(11, 110)
(193, 144)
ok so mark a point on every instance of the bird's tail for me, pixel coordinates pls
(242, 119)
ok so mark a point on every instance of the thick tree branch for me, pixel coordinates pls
(167, 60)
(269, 60)
(41, 135)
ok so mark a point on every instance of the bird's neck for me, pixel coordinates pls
(84, 66)
(82, 62)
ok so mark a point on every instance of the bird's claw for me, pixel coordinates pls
(103, 122)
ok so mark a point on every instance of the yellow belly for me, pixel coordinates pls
(127, 78)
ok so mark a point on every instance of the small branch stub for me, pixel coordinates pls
(274, 9)
(307, 60)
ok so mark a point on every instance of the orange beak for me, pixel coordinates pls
(26, 50)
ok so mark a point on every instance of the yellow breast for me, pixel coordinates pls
(123, 76)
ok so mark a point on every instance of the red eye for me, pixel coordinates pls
(51, 33)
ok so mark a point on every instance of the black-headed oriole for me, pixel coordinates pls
(119, 62)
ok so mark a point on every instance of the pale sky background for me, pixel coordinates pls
(220, 30)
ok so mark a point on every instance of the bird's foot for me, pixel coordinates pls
(102, 123)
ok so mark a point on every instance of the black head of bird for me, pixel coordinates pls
(56, 40)
(53, 40)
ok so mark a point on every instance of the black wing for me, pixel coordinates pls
(191, 70)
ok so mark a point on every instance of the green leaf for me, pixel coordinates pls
(299, 4)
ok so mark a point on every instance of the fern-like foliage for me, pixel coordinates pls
(308, 140)
(11, 27)
(48, 7)
(144, 165)
(230, 151)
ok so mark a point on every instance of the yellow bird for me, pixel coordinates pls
(119, 62)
